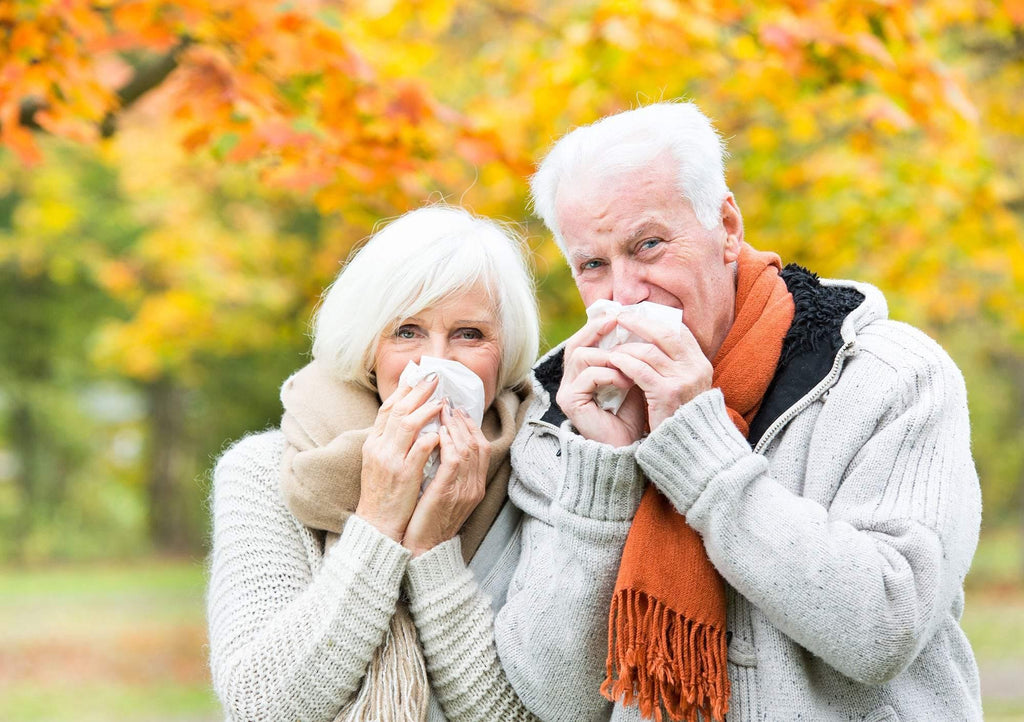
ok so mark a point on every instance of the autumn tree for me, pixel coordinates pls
(255, 142)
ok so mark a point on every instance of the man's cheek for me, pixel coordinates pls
(591, 291)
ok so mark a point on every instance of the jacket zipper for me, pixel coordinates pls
(551, 428)
(808, 398)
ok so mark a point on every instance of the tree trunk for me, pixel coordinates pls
(169, 473)
(1011, 366)
(23, 438)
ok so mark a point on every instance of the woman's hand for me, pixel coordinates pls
(394, 455)
(457, 487)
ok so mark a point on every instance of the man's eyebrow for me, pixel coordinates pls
(579, 256)
(646, 228)
(642, 231)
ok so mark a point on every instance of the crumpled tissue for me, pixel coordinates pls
(610, 398)
(455, 382)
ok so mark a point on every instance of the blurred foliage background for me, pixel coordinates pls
(180, 180)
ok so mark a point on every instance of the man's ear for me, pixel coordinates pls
(732, 222)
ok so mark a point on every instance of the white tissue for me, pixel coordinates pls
(610, 398)
(456, 383)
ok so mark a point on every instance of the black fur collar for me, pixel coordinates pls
(549, 375)
(810, 346)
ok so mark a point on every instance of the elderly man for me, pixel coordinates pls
(777, 521)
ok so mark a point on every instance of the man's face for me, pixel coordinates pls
(633, 237)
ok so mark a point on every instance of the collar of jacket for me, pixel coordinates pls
(824, 321)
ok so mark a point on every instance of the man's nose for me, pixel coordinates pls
(628, 285)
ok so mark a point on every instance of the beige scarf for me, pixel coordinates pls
(325, 423)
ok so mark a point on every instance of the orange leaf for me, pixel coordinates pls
(16, 137)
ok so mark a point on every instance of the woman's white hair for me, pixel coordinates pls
(417, 260)
(631, 140)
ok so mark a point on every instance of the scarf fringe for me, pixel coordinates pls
(395, 686)
(681, 672)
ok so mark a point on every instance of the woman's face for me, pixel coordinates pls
(462, 328)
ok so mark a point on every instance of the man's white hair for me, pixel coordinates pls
(631, 140)
(416, 261)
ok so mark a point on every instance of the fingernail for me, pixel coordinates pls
(429, 378)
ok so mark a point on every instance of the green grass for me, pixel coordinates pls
(127, 642)
(994, 622)
(108, 701)
(999, 560)
(105, 642)
(146, 577)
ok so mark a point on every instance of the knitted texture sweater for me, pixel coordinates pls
(843, 536)
(292, 630)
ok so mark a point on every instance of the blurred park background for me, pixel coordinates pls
(179, 180)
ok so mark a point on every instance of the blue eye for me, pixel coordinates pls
(470, 334)
(406, 332)
(649, 243)
(590, 265)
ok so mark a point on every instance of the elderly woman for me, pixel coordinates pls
(340, 586)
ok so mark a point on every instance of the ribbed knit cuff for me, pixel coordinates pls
(376, 557)
(435, 569)
(601, 482)
(688, 450)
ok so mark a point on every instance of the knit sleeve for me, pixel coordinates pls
(456, 630)
(858, 550)
(286, 643)
(578, 499)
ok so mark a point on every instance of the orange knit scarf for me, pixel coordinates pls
(666, 630)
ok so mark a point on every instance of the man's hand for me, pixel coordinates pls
(586, 369)
(670, 369)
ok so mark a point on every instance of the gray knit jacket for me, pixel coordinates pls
(843, 535)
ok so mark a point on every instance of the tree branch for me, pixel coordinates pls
(1008, 50)
(146, 77)
(511, 13)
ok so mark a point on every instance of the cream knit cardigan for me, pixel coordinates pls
(292, 630)
(844, 539)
